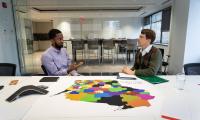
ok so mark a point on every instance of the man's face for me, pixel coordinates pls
(143, 41)
(58, 41)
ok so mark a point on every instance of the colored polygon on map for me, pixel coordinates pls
(108, 91)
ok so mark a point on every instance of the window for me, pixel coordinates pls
(157, 28)
(160, 23)
(157, 17)
(165, 37)
(147, 27)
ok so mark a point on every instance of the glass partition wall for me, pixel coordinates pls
(23, 25)
(33, 39)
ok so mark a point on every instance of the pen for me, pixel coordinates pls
(126, 78)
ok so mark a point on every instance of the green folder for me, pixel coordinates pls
(153, 79)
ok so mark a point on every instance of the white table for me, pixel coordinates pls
(17, 109)
(182, 104)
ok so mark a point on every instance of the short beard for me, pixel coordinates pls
(58, 46)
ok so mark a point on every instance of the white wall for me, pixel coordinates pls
(178, 35)
(130, 27)
(192, 53)
(8, 45)
(64, 26)
(95, 27)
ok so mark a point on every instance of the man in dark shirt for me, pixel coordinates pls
(148, 58)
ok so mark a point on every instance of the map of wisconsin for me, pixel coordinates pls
(108, 91)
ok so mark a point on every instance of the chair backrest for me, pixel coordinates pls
(78, 44)
(44, 70)
(165, 63)
(93, 44)
(162, 52)
(192, 69)
(132, 41)
(108, 44)
(122, 43)
(7, 69)
(131, 44)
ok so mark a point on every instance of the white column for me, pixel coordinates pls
(178, 32)
(185, 33)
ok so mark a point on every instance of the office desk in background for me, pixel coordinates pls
(168, 101)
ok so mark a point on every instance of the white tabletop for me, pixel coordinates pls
(168, 101)
(17, 109)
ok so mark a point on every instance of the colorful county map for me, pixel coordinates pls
(107, 91)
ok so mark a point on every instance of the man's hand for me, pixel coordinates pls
(74, 67)
(128, 71)
(71, 68)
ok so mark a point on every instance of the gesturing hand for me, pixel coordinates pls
(128, 71)
(74, 67)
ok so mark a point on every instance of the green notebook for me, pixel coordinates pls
(153, 79)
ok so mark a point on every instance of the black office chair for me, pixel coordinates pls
(7, 69)
(131, 48)
(44, 70)
(164, 63)
(93, 45)
(192, 69)
(108, 45)
(122, 49)
(80, 46)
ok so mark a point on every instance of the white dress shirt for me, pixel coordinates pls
(146, 50)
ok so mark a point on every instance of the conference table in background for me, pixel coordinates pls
(168, 101)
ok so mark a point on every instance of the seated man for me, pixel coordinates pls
(55, 59)
(148, 59)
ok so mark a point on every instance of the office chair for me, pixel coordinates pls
(44, 70)
(122, 49)
(131, 48)
(93, 45)
(7, 69)
(108, 45)
(164, 63)
(80, 46)
(192, 69)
